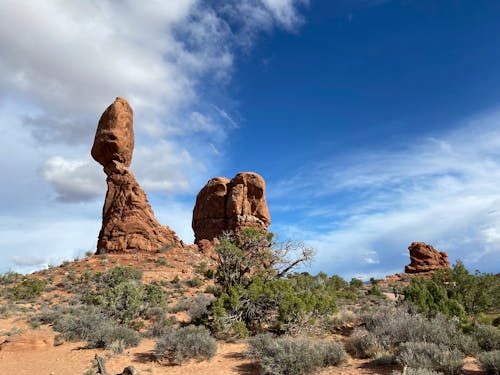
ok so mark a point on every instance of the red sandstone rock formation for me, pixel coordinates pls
(424, 258)
(224, 205)
(128, 222)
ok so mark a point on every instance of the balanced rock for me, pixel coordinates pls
(230, 205)
(128, 222)
(424, 258)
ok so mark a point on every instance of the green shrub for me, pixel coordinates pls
(487, 337)
(121, 294)
(194, 282)
(490, 362)
(430, 356)
(455, 292)
(29, 288)
(294, 356)
(178, 345)
(356, 283)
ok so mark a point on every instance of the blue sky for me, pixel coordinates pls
(375, 123)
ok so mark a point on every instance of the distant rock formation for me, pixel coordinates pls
(424, 258)
(128, 222)
(230, 205)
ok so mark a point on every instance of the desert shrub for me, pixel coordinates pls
(418, 371)
(490, 362)
(430, 356)
(194, 282)
(363, 344)
(29, 288)
(394, 326)
(93, 326)
(333, 353)
(10, 278)
(279, 304)
(161, 261)
(121, 294)
(198, 309)
(178, 345)
(123, 302)
(117, 346)
(293, 356)
(161, 325)
(339, 320)
(487, 337)
(356, 283)
(214, 290)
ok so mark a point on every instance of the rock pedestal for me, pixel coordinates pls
(128, 222)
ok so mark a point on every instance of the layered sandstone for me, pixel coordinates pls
(128, 222)
(424, 258)
(230, 205)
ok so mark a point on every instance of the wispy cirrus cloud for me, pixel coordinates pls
(369, 207)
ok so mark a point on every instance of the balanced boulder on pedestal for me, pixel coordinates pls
(128, 222)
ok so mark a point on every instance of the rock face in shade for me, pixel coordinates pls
(128, 222)
(230, 205)
(424, 258)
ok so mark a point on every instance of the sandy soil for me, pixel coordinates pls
(33, 352)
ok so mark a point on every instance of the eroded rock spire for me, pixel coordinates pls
(128, 222)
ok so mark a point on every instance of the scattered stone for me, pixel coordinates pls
(424, 258)
(128, 222)
(230, 205)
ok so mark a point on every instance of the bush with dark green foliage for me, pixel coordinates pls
(121, 293)
(455, 292)
(194, 282)
(356, 283)
(430, 356)
(178, 345)
(294, 356)
(278, 304)
(28, 289)
(490, 362)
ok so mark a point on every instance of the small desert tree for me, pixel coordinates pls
(251, 270)
(251, 251)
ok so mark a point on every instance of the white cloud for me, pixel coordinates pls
(63, 62)
(374, 204)
(74, 180)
